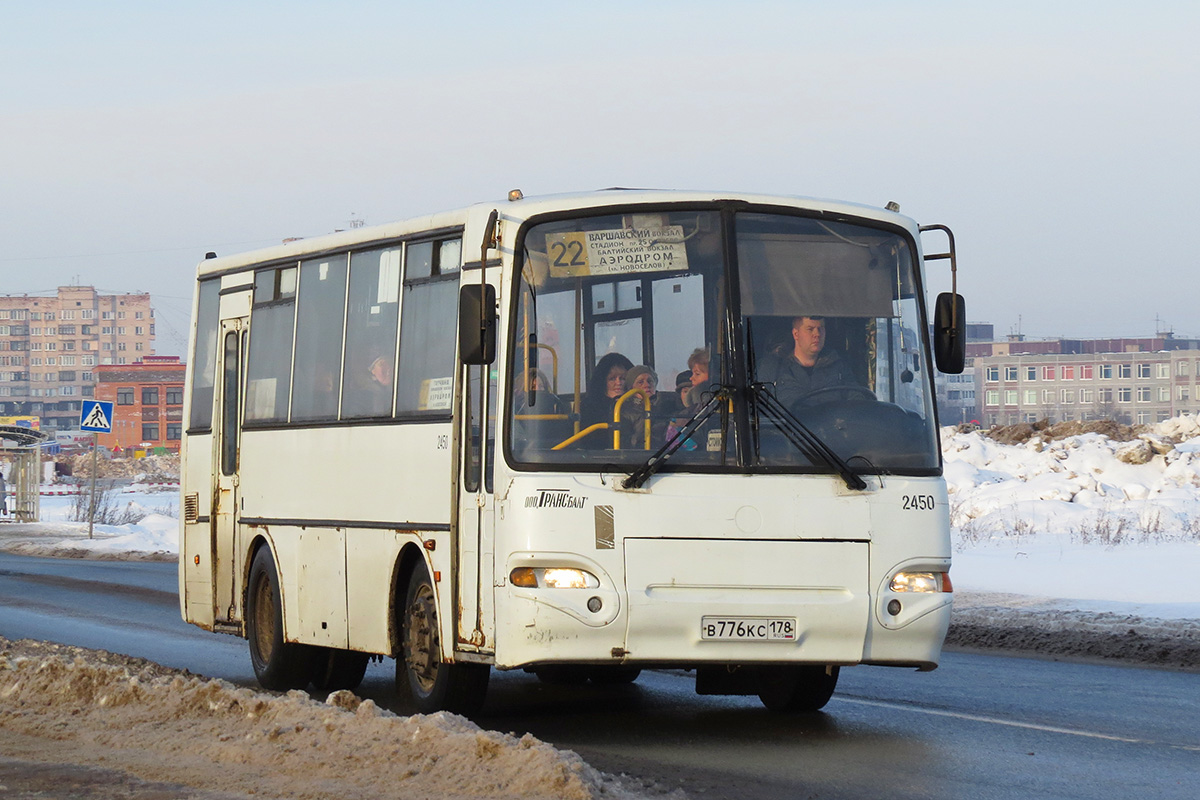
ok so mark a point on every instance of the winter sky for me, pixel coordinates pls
(1058, 140)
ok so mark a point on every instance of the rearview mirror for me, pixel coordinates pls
(477, 324)
(950, 333)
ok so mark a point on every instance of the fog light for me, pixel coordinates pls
(594, 604)
(893, 607)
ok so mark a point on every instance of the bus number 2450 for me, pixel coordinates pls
(918, 502)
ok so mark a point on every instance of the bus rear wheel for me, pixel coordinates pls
(433, 685)
(792, 689)
(278, 665)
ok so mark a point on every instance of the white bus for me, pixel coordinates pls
(442, 441)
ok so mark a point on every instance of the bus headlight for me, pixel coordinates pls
(553, 578)
(921, 582)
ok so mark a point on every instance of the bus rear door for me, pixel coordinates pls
(226, 427)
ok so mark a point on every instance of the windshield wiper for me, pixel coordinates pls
(801, 436)
(642, 474)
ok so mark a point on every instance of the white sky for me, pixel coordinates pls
(1057, 140)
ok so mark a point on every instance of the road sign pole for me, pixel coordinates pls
(95, 416)
(92, 502)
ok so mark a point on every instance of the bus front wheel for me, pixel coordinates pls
(432, 684)
(278, 665)
(791, 689)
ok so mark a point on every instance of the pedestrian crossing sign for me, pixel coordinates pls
(96, 415)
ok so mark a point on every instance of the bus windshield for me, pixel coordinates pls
(737, 340)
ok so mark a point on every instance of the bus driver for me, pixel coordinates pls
(807, 368)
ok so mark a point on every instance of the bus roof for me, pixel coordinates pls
(471, 219)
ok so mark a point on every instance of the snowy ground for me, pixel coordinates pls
(1080, 547)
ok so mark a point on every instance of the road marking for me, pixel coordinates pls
(1014, 724)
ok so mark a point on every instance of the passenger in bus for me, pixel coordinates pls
(698, 363)
(808, 367)
(375, 387)
(534, 410)
(692, 397)
(606, 384)
(683, 385)
(540, 400)
(633, 413)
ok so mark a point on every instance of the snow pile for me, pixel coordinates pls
(150, 469)
(166, 725)
(1091, 487)
(1110, 525)
(1076, 543)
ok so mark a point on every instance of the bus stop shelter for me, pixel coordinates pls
(21, 450)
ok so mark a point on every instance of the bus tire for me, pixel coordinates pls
(338, 669)
(431, 684)
(278, 665)
(793, 689)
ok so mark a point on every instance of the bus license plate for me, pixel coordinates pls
(748, 629)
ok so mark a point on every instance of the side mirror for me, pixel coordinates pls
(477, 324)
(950, 333)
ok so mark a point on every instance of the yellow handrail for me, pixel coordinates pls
(599, 426)
(553, 365)
(617, 416)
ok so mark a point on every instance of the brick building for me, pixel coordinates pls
(147, 398)
(50, 348)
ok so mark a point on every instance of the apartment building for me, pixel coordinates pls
(1134, 387)
(147, 398)
(50, 347)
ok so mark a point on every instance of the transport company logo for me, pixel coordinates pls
(555, 498)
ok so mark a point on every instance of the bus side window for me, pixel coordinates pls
(204, 359)
(372, 312)
(319, 314)
(269, 361)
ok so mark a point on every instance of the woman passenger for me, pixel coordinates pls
(662, 407)
(606, 384)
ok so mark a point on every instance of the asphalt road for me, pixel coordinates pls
(979, 727)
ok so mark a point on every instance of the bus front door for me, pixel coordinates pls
(474, 623)
(226, 574)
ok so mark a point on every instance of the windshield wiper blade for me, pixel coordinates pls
(802, 437)
(642, 474)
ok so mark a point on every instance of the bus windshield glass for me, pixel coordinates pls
(740, 341)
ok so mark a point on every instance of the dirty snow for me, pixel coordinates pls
(99, 709)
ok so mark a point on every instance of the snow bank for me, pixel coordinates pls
(1100, 522)
(1082, 546)
(165, 725)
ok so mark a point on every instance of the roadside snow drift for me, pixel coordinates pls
(164, 725)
